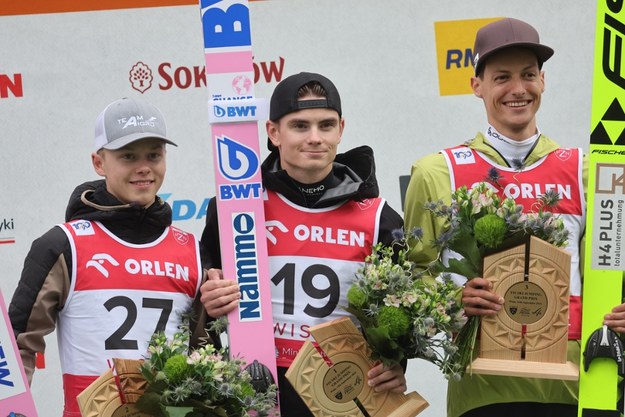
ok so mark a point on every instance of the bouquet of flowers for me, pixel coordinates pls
(403, 313)
(204, 383)
(480, 223)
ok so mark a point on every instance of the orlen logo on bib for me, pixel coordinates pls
(237, 163)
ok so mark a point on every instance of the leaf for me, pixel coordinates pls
(462, 267)
(150, 403)
(387, 348)
(466, 246)
(175, 411)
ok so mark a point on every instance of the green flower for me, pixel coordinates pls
(356, 297)
(395, 319)
(490, 230)
(176, 368)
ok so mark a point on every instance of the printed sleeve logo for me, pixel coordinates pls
(180, 237)
(82, 228)
(365, 204)
(140, 77)
(98, 260)
(563, 154)
(463, 156)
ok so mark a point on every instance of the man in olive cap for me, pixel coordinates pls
(508, 60)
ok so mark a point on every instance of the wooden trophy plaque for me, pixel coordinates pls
(115, 392)
(337, 385)
(529, 336)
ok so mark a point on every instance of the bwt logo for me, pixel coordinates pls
(168, 76)
(13, 85)
(237, 162)
(235, 111)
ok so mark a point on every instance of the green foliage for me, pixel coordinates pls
(202, 383)
(403, 313)
(480, 222)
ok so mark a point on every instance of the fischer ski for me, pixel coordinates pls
(234, 113)
(602, 359)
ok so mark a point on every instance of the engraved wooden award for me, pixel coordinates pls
(334, 384)
(528, 337)
(115, 392)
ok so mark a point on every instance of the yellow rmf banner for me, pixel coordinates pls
(454, 53)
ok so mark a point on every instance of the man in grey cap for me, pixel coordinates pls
(116, 271)
(307, 183)
(508, 60)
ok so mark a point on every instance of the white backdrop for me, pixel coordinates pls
(381, 55)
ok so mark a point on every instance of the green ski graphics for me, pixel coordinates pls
(602, 357)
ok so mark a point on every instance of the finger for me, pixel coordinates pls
(619, 309)
(389, 381)
(618, 325)
(478, 283)
(214, 274)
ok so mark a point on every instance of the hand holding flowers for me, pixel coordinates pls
(480, 223)
(403, 314)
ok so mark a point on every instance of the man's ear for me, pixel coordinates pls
(272, 132)
(96, 161)
(476, 86)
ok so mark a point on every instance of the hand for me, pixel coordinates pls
(383, 378)
(615, 320)
(478, 299)
(219, 296)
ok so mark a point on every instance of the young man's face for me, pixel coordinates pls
(308, 141)
(511, 87)
(134, 173)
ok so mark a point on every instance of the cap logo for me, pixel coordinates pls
(477, 58)
(312, 104)
(137, 121)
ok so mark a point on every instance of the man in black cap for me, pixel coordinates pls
(510, 81)
(312, 193)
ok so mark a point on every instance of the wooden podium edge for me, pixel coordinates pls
(413, 406)
(545, 370)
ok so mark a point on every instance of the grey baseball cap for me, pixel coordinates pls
(506, 33)
(128, 120)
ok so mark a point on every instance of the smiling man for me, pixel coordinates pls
(326, 215)
(510, 81)
(83, 277)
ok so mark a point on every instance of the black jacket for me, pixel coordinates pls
(45, 281)
(354, 179)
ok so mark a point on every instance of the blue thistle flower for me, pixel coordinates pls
(398, 234)
(517, 164)
(494, 176)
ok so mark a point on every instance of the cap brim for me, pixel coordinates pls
(127, 140)
(543, 53)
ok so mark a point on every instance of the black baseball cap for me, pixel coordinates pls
(506, 33)
(284, 99)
